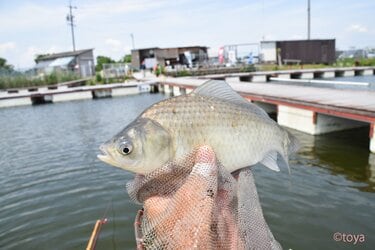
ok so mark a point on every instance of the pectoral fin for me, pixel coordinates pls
(270, 161)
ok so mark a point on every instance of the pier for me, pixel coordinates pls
(61, 93)
(308, 109)
(265, 76)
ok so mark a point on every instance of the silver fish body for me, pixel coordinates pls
(240, 133)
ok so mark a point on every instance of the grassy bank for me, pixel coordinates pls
(10, 80)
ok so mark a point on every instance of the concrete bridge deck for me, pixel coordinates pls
(59, 93)
(264, 76)
(308, 109)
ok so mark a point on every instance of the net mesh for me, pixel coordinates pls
(194, 202)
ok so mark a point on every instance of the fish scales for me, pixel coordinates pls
(232, 130)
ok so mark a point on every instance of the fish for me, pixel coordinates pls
(240, 133)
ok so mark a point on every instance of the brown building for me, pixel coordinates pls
(303, 51)
(191, 56)
(79, 61)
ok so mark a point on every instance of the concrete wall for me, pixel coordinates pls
(268, 50)
(15, 102)
(125, 91)
(72, 96)
(372, 139)
(86, 64)
(312, 123)
(299, 119)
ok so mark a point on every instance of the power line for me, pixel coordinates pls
(70, 20)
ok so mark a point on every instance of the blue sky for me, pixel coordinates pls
(31, 27)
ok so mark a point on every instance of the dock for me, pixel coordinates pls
(265, 76)
(61, 93)
(308, 109)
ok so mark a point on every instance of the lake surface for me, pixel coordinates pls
(53, 188)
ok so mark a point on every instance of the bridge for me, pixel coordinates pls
(68, 92)
(308, 109)
(265, 76)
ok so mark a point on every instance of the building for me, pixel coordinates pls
(79, 61)
(313, 51)
(191, 56)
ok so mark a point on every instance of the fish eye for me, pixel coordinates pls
(125, 148)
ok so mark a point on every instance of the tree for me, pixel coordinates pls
(100, 60)
(126, 59)
(37, 57)
(4, 65)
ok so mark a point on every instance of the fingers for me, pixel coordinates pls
(205, 162)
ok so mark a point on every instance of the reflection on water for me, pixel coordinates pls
(53, 188)
(345, 153)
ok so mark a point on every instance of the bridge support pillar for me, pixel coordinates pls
(124, 91)
(372, 137)
(368, 72)
(176, 90)
(349, 73)
(230, 79)
(284, 76)
(259, 78)
(307, 75)
(168, 89)
(329, 74)
(72, 96)
(15, 102)
(311, 122)
(182, 91)
(371, 163)
(188, 90)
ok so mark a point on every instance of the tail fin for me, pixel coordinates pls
(293, 143)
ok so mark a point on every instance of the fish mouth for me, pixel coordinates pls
(106, 156)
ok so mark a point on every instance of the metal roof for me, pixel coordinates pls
(297, 40)
(182, 47)
(63, 54)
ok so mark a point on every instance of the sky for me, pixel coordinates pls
(31, 27)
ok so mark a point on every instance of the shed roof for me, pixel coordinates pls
(298, 40)
(63, 54)
(182, 47)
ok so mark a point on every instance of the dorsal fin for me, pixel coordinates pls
(222, 90)
(219, 89)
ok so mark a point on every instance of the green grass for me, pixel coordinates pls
(350, 62)
(21, 80)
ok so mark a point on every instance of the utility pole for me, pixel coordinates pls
(308, 20)
(132, 37)
(70, 20)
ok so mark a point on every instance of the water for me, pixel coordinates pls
(53, 188)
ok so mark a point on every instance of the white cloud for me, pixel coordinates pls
(4, 47)
(118, 7)
(32, 51)
(297, 37)
(114, 43)
(357, 28)
(33, 16)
